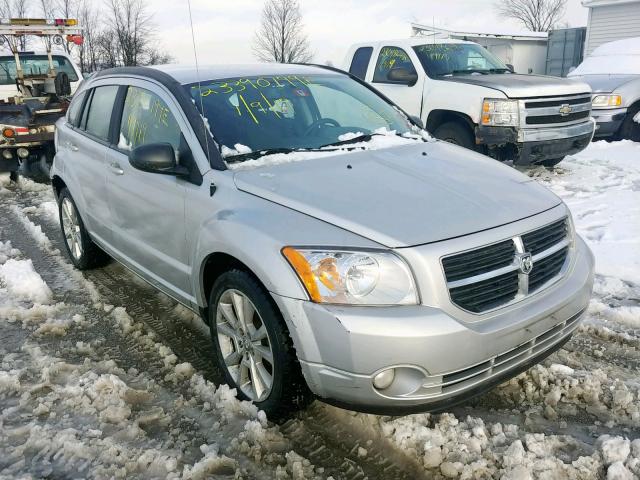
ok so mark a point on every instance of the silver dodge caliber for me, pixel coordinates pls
(333, 248)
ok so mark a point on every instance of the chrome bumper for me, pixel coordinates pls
(440, 358)
(556, 133)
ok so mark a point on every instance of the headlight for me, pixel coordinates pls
(350, 277)
(603, 101)
(500, 112)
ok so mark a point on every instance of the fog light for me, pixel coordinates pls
(384, 379)
(7, 154)
(22, 152)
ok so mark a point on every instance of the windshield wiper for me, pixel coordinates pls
(468, 70)
(241, 157)
(500, 70)
(365, 137)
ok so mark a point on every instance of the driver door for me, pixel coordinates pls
(408, 97)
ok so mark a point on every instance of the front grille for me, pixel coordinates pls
(486, 294)
(545, 119)
(491, 276)
(479, 261)
(547, 268)
(547, 111)
(543, 238)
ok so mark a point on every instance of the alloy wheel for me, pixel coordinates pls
(71, 228)
(245, 345)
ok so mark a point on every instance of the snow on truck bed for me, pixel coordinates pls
(102, 377)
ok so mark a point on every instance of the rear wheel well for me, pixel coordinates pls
(58, 184)
(440, 117)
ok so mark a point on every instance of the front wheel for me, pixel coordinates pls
(630, 128)
(253, 347)
(82, 251)
(456, 133)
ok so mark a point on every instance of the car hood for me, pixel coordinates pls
(605, 82)
(400, 197)
(523, 86)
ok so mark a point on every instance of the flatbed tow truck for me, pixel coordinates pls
(27, 120)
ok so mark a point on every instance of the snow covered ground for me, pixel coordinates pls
(102, 377)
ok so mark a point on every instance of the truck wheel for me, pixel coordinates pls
(33, 170)
(630, 129)
(551, 162)
(253, 347)
(82, 251)
(455, 133)
(14, 177)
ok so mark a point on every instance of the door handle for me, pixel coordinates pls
(71, 146)
(115, 168)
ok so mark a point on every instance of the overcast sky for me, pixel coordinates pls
(224, 29)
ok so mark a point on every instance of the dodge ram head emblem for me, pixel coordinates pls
(524, 262)
(565, 109)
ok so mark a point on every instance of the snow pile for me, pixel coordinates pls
(601, 187)
(23, 282)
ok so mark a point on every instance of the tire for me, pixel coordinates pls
(630, 129)
(551, 162)
(455, 133)
(14, 177)
(36, 170)
(82, 251)
(288, 391)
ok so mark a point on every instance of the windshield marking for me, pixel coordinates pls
(257, 84)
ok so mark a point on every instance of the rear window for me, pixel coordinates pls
(33, 65)
(76, 108)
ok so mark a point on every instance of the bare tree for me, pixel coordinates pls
(16, 9)
(281, 36)
(535, 15)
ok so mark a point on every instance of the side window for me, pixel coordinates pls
(99, 116)
(73, 115)
(146, 118)
(391, 57)
(360, 62)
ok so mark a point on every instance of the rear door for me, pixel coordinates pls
(85, 145)
(408, 97)
(148, 209)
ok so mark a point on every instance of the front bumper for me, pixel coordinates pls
(439, 359)
(608, 120)
(534, 145)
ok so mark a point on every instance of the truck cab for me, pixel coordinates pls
(465, 95)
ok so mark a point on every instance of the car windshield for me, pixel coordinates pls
(34, 65)
(288, 112)
(440, 59)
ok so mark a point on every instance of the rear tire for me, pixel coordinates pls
(456, 133)
(14, 177)
(551, 162)
(630, 129)
(255, 345)
(36, 170)
(82, 251)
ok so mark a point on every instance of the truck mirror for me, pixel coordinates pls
(510, 67)
(403, 76)
(62, 84)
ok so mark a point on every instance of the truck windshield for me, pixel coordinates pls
(440, 59)
(292, 111)
(33, 65)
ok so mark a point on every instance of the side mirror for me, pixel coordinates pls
(403, 76)
(157, 158)
(510, 67)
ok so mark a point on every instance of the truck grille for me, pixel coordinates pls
(492, 276)
(554, 111)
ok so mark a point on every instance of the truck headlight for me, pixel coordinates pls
(500, 112)
(353, 277)
(605, 101)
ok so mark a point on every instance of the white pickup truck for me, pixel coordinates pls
(465, 95)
